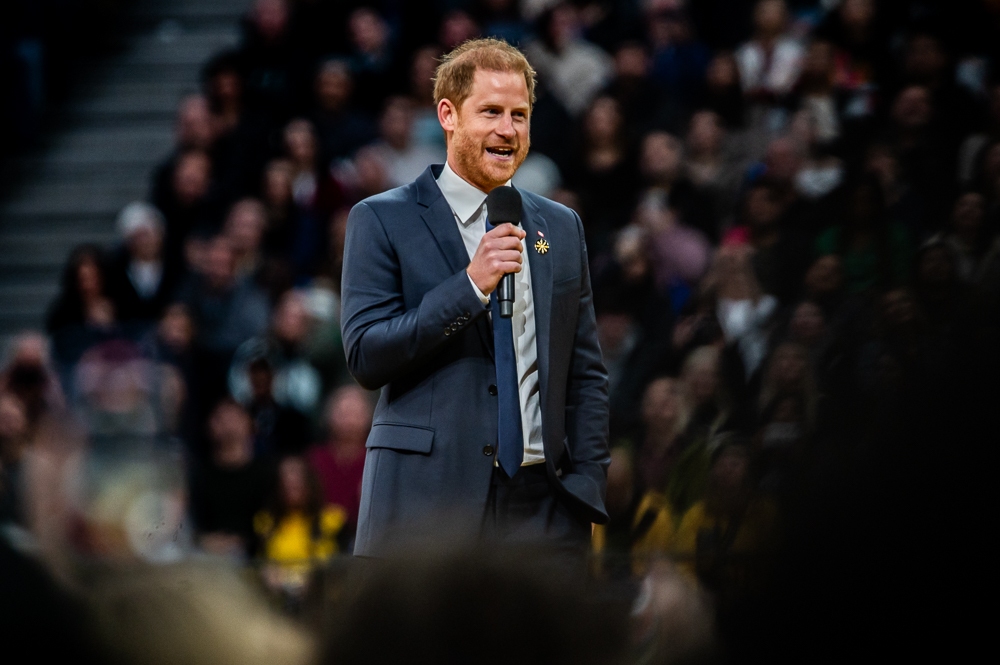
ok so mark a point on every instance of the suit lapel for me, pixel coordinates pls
(440, 221)
(541, 289)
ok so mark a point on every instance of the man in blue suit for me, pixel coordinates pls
(487, 427)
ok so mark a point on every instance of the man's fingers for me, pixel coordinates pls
(510, 267)
(506, 229)
(507, 243)
(508, 256)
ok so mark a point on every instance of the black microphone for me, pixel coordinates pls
(503, 206)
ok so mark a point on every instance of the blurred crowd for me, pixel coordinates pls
(792, 212)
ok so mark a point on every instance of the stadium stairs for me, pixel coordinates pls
(102, 148)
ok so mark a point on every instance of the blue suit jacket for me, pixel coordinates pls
(414, 327)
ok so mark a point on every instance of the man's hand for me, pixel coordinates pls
(499, 253)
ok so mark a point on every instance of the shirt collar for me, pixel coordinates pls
(465, 200)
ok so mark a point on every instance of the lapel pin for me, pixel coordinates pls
(542, 245)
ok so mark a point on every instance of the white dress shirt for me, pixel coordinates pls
(468, 204)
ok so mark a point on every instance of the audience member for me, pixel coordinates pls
(296, 532)
(230, 486)
(141, 282)
(339, 461)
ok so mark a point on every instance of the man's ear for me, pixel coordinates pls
(447, 115)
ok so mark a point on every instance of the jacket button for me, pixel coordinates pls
(447, 331)
(488, 451)
(493, 390)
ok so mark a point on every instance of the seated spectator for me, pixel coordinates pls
(295, 531)
(713, 167)
(665, 418)
(926, 153)
(230, 487)
(820, 172)
(405, 159)
(194, 129)
(457, 26)
(611, 544)
(603, 171)
(679, 255)
(777, 245)
(574, 69)
(83, 300)
(242, 133)
(641, 102)
(426, 128)
(340, 127)
(226, 311)
(679, 58)
(313, 190)
(723, 93)
(790, 377)
(745, 312)
(727, 538)
(862, 52)
(673, 468)
(126, 400)
(945, 300)
(272, 62)
(371, 59)
(140, 282)
(816, 91)
(188, 205)
(339, 462)
(875, 251)
(711, 406)
(297, 384)
(630, 272)
(244, 229)
(29, 376)
(500, 18)
(666, 184)
(968, 236)
(365, 175)
(83, 314)
(770, 62)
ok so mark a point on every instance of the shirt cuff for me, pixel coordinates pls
(482, 298)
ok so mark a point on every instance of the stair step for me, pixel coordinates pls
(19, 249)
(86, 173)
(27, 300)
(110, 144)
(47, 223)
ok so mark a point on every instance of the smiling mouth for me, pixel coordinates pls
(502, 151)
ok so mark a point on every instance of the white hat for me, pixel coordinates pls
(138, 215)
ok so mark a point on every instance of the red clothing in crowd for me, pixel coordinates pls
(340, 477)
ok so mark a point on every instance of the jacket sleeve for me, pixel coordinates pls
(587, 409)
(382, 338)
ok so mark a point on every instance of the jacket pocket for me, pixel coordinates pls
(566, 285)
(401, 437)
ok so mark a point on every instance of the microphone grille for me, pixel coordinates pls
(503, 205)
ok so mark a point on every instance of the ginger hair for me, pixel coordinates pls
(454, 76)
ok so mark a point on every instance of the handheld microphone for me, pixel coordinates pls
(503, 206)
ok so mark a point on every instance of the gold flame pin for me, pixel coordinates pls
(542, 245)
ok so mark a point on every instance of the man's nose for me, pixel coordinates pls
(505, 127)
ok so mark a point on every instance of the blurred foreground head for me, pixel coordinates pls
(199, 615)
(483, 607)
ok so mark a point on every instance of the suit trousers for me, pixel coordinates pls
(526, 511)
